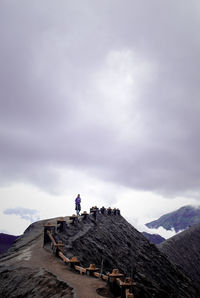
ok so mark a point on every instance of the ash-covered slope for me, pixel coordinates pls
(26, 282)
(28, 269)
(183, 249)
(24, 271)
(112, 239)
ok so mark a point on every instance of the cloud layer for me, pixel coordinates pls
(101, 87)
(30, 215)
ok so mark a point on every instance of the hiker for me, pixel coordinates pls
(78, 204)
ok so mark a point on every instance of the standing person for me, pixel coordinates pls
(78, 204)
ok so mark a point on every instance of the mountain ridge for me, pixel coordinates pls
(178, 220)
(154, 238)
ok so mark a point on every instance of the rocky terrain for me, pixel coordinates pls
(184, 250)
(109, 242)
(153, 238)
(27, 282)
(178, 220)
(6, 241)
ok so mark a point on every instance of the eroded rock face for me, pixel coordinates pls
(26, 282)
(184, 250)
(114, 241)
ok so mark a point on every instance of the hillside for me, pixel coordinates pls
(153, 238)
(6, 241)
(121, 246)
(183, 250)
(178, 220)
(29, 270)
(110, 238)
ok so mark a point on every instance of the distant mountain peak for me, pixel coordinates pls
(178, 220)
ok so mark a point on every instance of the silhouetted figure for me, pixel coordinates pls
(78, 204)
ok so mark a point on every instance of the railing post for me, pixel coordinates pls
(126, 286)
(74, 219)
(85, 215)
(48, 227)
(61, 225)
(74, 261)
(103, 210)
(109, 211)
(115, 211)
(94, 211)
(118, 211)
(112, 282)
(90, 270)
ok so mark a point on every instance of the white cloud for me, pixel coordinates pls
(161, 231)
(30, 215)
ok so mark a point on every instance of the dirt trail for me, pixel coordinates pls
(84, 286)
(35, 256)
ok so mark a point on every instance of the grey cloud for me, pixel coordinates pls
(53, 114)
(24, 213)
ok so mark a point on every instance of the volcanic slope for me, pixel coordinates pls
(183, 249)
(29, 270)
(118, 244)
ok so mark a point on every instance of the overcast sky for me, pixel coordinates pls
(99, 98)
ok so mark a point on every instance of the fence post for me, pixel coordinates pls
(109, 211)
(74, 261)
(94, 211)
(48, 227)
(112, 282)
(126, 286)
(74, 219)
(61, 225)
(90, 270)
(85, 215)
(103, 210)
(118, 211)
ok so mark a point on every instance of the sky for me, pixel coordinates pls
(99, 98)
